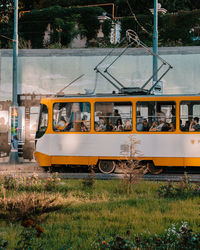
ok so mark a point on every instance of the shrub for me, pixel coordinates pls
(131, 168)
(3, 244)
(10, 183)
(32, 205)
(28, 238)
(182, 189)
(175, 237)
(90, 180)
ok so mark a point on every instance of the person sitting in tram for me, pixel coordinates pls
(116, 117)
(172, 127)
(186, 127)
(194, 125)
(102, 126)
(145, 125)
(139, 125)
(166, 127)
(161, 124)
(109, 126)
(119, 126)
(154, 126)
(83, 127)
(61, 125)
(96, 127)
(128, 126)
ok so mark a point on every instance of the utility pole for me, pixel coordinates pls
(155, 41)
(14, 159)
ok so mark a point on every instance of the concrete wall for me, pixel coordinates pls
(48, 71)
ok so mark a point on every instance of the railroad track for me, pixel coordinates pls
(100, 176)
(28, 169)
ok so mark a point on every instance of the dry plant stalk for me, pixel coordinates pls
(30, 205)
(132, 169)
(89, 181)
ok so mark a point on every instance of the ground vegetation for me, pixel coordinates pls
(95, 214)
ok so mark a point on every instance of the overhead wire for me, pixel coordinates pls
(135, 18)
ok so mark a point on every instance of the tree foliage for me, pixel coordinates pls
(67, 18)
(63, 22)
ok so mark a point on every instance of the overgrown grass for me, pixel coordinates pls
(104, 208)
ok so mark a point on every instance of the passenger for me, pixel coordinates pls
(173, 113)
(154, 126)
(116, 117)
(102, 126)
(145, 125)
(119, 126)
(96, 127)
(109, 126)
(83, 127)
(159, 127)
(128, 126)
(61, 125)
(160, 115)
(194, 126)
(139, 125)
(187, 125)
(166, 127)
(172, 127)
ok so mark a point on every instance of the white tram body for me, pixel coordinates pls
(100, 129)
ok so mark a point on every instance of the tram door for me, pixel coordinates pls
(29, 106)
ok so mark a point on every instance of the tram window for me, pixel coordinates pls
(71, 116)
(43, 121)
(156, 116)
(189, 116)
(113, 116)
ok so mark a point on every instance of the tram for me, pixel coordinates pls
(97, 128)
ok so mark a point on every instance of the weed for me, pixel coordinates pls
(115, 243)
(183, 189)
(52, 183)
(10, 182)
(3, 244)
(90, 180)
(176, 237)
(29, 205)
(28, 238)
(131, 168)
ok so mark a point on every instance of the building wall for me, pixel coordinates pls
(43, 72)
(48, 71)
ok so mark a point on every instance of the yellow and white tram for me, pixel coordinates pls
(94, 130)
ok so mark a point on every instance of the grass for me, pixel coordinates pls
(106, 209)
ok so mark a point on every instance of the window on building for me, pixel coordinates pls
(71, 116)
(156, 116)
(113, 116)
(189, 116)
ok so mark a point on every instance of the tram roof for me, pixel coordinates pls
(110, 95)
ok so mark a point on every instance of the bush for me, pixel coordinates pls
(26, 206)
(3, 244)
(177, 237)
(182, 189)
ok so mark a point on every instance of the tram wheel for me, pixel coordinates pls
(106, 167)
(153, 169)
